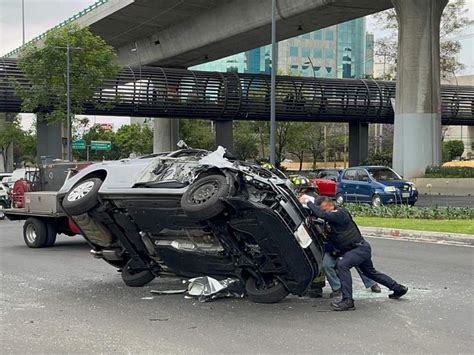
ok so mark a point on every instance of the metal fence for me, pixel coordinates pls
(161, 92)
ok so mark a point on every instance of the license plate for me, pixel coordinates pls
(405, 194)
(303, 237)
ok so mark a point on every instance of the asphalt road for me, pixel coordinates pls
(60, 300)
(445, 200)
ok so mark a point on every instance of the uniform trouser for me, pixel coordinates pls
(330, 264)
(361, 257)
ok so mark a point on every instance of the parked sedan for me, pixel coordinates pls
(377, 185)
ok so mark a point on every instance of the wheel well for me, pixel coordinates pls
(100, 174)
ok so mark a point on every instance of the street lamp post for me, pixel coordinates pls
(273, 86)
(68, 105)
(23, 20)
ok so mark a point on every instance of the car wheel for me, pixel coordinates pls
(2, 215)
(340, 199)
(136, 279)
(412, 203)
(82, 197)
(265, 293)
(377, 201)
(35, 233)
(202, 200)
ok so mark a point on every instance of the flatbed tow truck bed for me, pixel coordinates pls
(44, 219)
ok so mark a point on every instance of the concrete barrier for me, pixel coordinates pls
(445, 186)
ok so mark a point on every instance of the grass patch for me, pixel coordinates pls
(450, 226)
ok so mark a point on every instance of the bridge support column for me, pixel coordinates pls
(165, 134)
(6, 159)
(358, 143)
(225, 134)
(417, 136)
(49, 141)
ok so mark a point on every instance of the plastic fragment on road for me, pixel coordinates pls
(206, 288)
(168, 292)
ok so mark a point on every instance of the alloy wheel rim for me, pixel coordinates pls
(80, 191)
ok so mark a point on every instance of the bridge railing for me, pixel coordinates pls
(160, 92)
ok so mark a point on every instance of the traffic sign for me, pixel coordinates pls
(101, 145)
(79, 145)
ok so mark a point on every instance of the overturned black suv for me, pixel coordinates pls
(195, 213)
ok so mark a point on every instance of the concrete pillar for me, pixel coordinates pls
(165, 134)
(417, 135)
(358, 143)
(225, 134)
(6, 159)
(49, 141)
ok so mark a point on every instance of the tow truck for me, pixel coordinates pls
(34, 200)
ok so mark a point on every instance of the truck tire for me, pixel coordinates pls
(201, 200)
(2, 207)
(272, 294)
(136, 279)
(52, 233)
(82, 197)
(35, 233)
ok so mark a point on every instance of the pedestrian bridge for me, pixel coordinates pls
(177, 93)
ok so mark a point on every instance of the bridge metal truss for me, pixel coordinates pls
(178, 93)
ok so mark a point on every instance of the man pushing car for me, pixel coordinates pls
(355, 251)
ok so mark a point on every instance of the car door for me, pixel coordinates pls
(348, 184)
(363, 189)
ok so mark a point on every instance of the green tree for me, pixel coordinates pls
(97, 133)
(453, 20)
(197, 133)
(92, 61)
(299, 142)
(452, 149)
(134, 139)
(245, 141)
(22, 142)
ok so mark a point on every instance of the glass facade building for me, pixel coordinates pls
(337, 51)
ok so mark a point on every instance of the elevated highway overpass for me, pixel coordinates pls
(183, 33)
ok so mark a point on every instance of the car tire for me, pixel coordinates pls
(136, 279)
(271, 294)
(340, 199)
(411, 204)
(2, 215)
(35, 233)
(82, 197)
(202, 200)
(376, 201)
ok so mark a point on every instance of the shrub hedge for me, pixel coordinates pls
(449, 172)
(405, 211)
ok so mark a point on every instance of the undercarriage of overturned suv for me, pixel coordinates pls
(188, 217)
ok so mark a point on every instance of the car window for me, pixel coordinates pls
(362, 175)
(382, 174)
(350, 175)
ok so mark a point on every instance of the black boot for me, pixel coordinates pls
(343, 305)
(316, 292)
(398, 292)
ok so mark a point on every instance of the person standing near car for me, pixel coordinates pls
(330, 258)
(356, 251)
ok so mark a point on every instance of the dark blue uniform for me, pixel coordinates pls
(346, 238)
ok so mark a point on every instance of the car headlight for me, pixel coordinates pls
(413, 186)
(390, 189)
